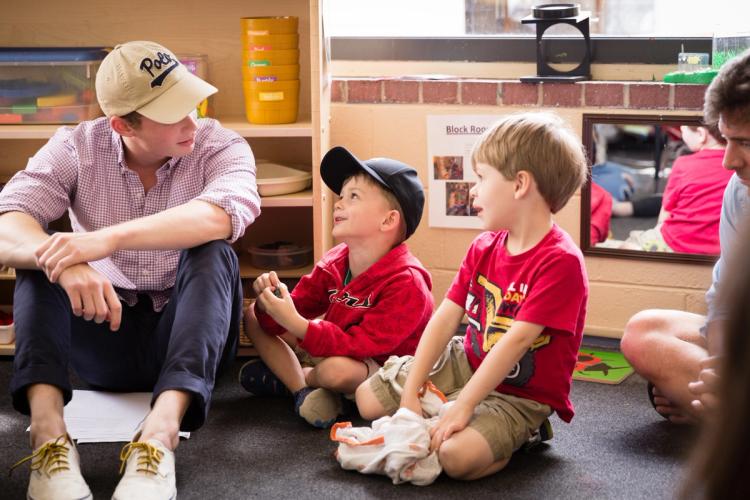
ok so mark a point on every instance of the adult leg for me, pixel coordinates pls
(195, 337)
(665, 347)
(40, 385)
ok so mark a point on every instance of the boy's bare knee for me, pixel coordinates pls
(339, 373)
(368, 405)
(454, 461)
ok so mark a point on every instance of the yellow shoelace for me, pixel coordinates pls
(148, 459)
(49, 458)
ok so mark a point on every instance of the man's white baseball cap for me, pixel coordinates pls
(147, 78)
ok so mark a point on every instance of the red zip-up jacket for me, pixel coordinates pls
(381, 312)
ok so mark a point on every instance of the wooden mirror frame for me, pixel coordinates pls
(588, 142)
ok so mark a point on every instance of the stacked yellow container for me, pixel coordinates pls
(270, 69)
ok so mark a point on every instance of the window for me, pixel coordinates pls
(453, 18)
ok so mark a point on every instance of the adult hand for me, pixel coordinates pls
(706, 388)
(91, 295)
(455, 418)
(62, 250)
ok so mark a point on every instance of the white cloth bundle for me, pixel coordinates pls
(397, 446)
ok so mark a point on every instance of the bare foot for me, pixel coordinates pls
(668, 410)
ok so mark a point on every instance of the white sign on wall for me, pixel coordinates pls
(450, 139)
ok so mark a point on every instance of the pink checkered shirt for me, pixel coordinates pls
(83, 170)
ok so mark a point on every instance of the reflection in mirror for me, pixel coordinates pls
(655, 189)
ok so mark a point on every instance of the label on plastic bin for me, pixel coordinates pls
(270, 96)
(261, 47)
(265, 78)
(257, 32)
(262, 62)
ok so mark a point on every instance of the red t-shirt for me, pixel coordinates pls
(601, 213)
(693, 199)
(546, 285)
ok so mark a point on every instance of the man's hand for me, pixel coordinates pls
(707, 386)
(91, 295)
(62, 250)
(455, 419)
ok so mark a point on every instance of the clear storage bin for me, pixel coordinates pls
(280, 255)
(48, 85)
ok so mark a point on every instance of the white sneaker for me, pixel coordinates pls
(56, 472)
(149, 472)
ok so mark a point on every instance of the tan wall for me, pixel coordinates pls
(619, 287)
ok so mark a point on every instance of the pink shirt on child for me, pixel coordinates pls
(693, 199)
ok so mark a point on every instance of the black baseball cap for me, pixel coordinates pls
(402, 180)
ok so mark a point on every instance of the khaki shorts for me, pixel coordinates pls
(306, 360)
(506, 422)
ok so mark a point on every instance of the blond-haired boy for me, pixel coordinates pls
(523, 287)
(372, 293)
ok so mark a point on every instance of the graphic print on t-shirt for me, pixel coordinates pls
(491, 316)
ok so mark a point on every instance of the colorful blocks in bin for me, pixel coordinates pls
(11, 118)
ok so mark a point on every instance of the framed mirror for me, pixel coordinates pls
(655, 187)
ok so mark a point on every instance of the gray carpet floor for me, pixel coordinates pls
(617, 447)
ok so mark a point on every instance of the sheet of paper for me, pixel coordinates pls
(99, 417)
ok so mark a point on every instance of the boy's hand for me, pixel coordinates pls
(455, 419)
(411, 402)
(266, 280)
(282, 309)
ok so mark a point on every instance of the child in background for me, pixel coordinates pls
(691, 207)
(372, 293)
(524, 289)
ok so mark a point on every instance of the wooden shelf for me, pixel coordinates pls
(300, 199)
(10, 349)
(302, 128)
(247, 270)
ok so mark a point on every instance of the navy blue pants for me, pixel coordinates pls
(181, 347)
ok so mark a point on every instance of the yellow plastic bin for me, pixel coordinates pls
(252, 58)
(252, 26)
(269, 103)
(270, 73)
(270, 42)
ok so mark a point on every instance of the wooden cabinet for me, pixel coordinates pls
(213, 29)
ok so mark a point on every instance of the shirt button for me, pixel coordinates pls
(144, 272)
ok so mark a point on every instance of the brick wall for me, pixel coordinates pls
(618, 95)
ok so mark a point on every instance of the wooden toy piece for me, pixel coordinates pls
(49, 101)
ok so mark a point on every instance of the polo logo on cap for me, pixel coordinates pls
(162, 60)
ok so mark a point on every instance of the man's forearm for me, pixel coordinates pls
(20, 235)
(185, 226)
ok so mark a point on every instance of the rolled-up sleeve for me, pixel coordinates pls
(230, 182)
(44, 189)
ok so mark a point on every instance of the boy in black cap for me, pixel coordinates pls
(367, 299)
